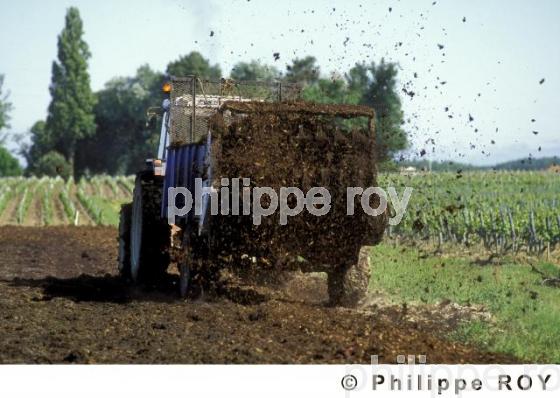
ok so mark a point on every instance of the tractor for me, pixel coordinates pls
(220, 135)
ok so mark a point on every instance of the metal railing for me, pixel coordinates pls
(195, 100)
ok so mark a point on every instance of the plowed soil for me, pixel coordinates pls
(61, 301)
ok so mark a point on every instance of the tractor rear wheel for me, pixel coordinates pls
(149, 232)
(194, 266)
(124, 240)
(184, 279)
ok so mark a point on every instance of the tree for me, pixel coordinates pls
(5, 107)
(330, 91)
(70, 113)
(194, 64)
(358, 79)
(9, 165)
(41, 143)
(122, 141)
(372, 85)
(254, 71)
(303, 71)
(381, 94)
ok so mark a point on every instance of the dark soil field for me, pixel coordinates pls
(61, 301)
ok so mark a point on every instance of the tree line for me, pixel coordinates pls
(9, 166)
(551, 163)
(88, 132)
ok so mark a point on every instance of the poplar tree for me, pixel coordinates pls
(70, 113)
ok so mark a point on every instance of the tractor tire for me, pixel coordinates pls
(196, 268)
(184, 280)
(124, 240)
(347, 286)
(149, 232)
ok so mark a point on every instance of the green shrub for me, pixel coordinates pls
(52, 164)
(9, 165)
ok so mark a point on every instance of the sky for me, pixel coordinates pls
(475, 67)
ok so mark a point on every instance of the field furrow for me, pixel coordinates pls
(53, 201)
(9, 214)
(59, 216)
(34, 215)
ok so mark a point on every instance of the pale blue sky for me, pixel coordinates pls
(501, 52)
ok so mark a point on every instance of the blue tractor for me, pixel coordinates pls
(216, 131)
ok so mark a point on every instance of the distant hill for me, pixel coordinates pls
(529, 164)
(446, 165)
(519, 164)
